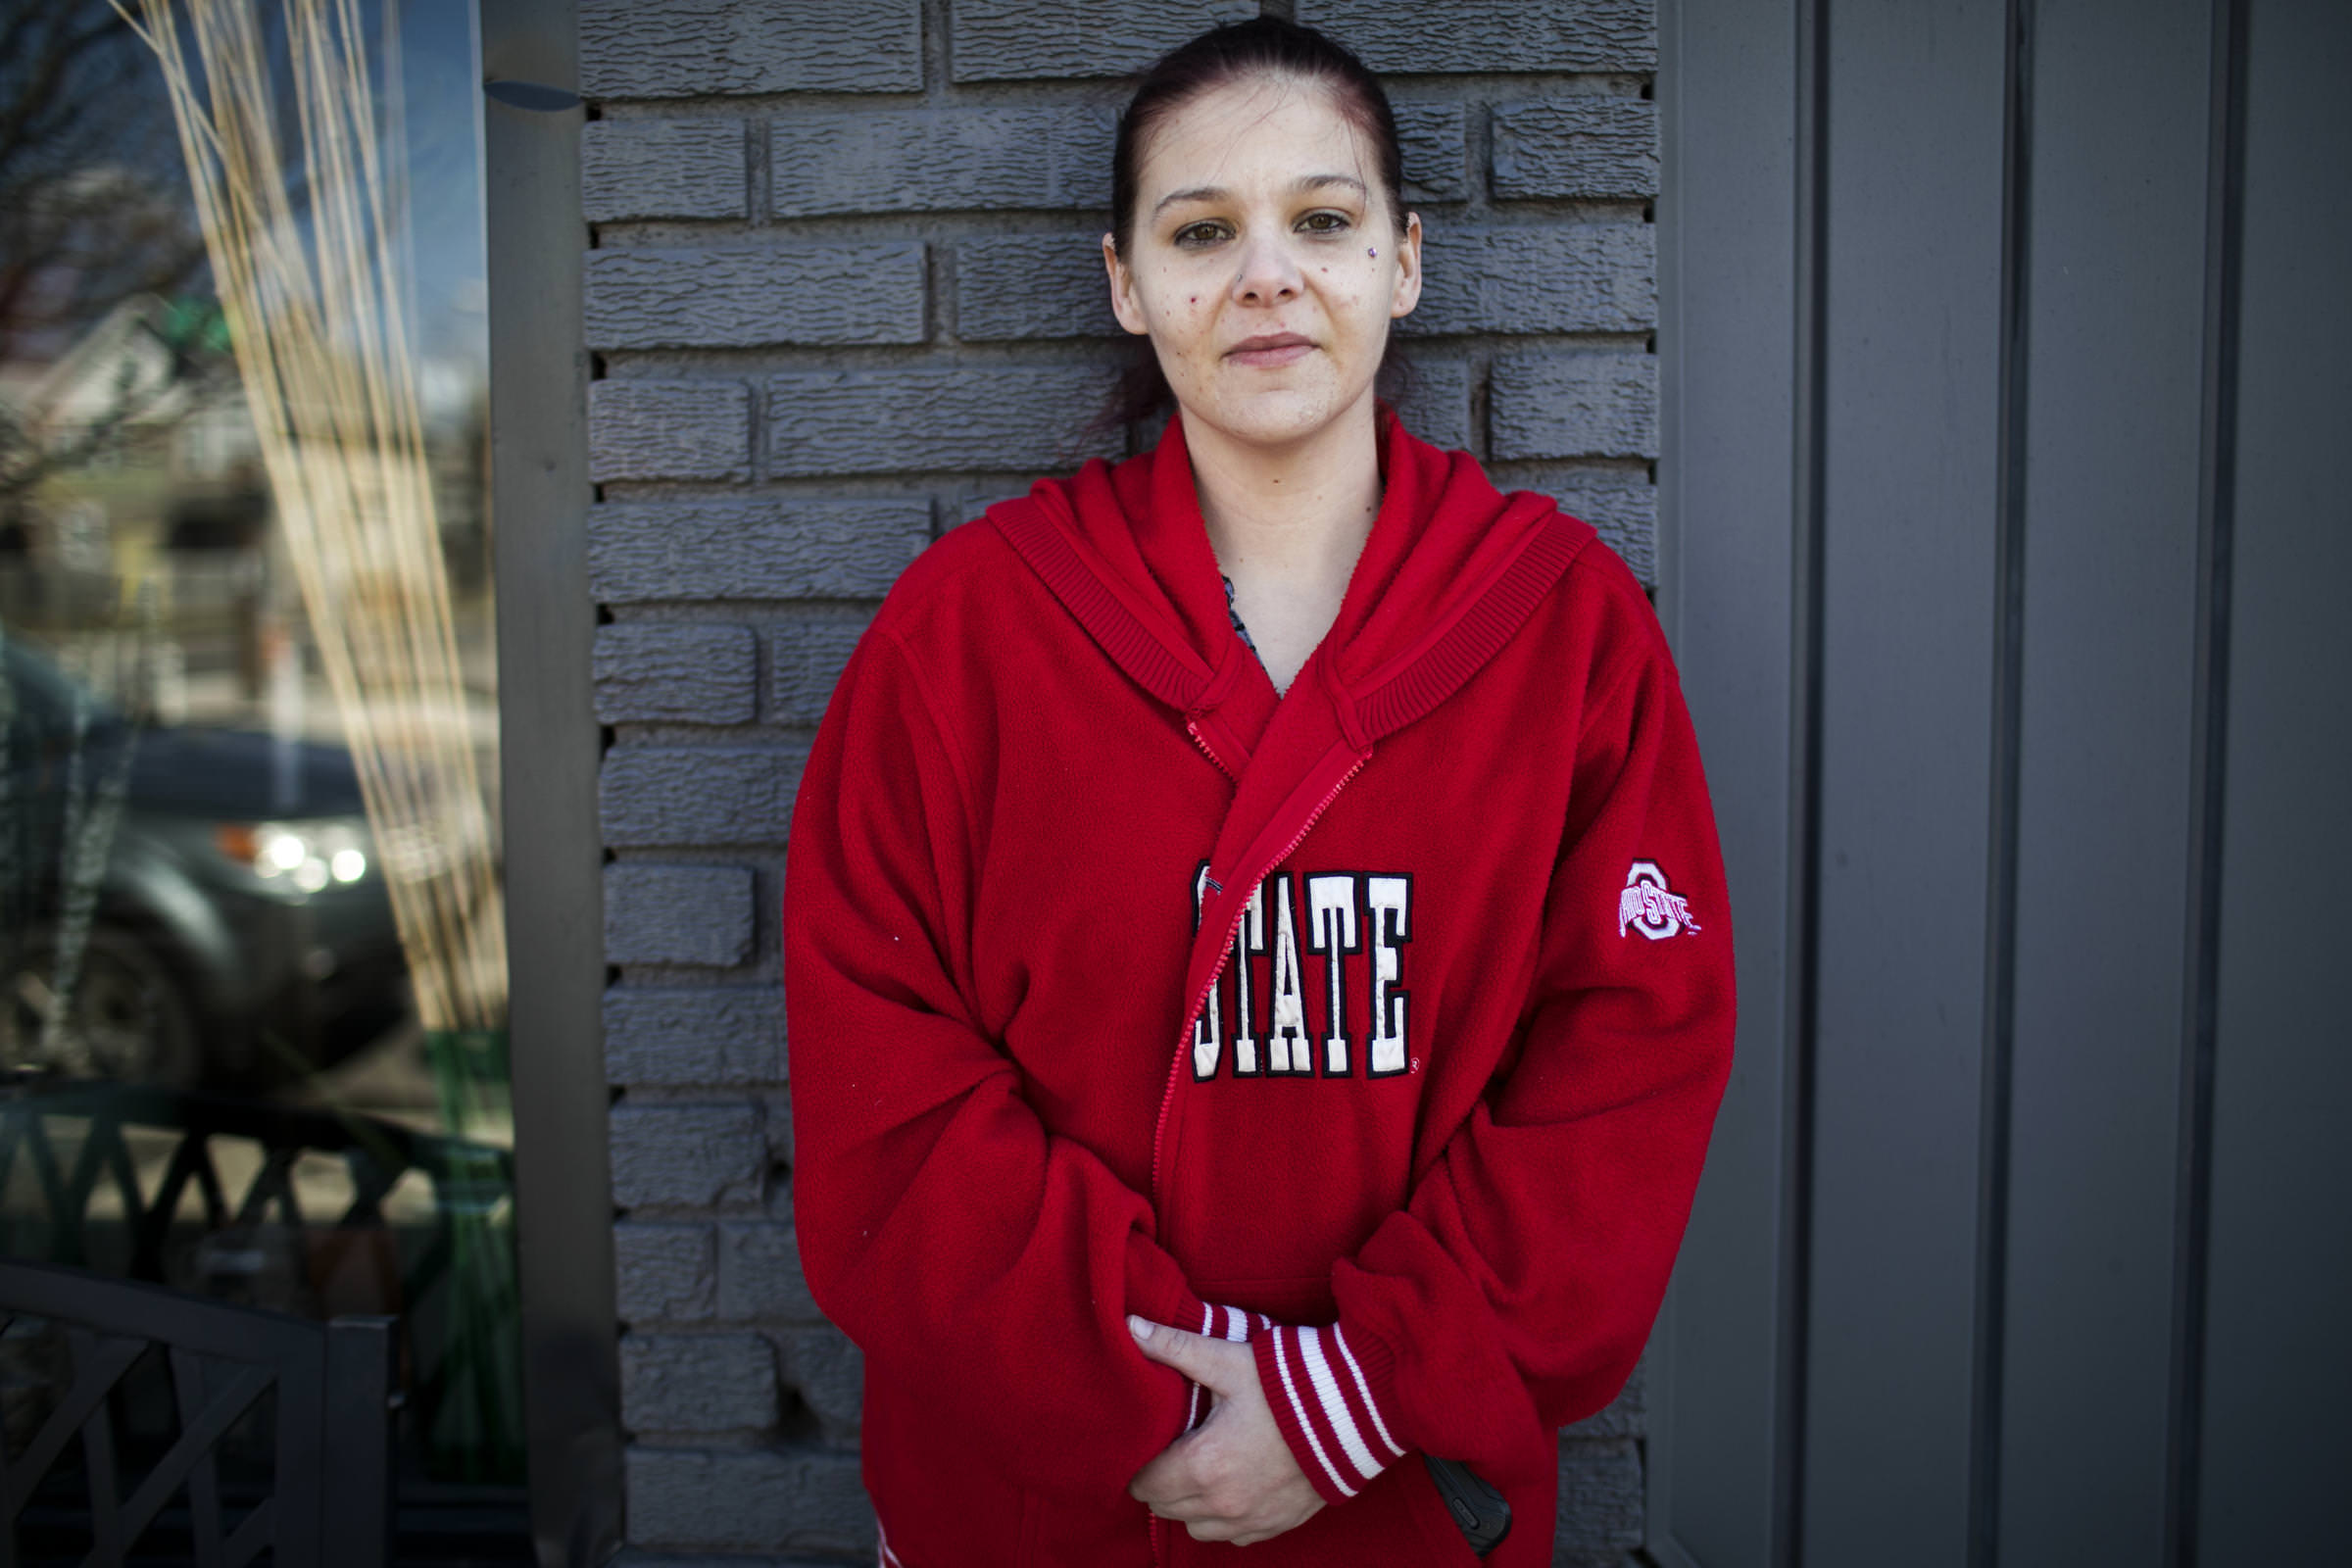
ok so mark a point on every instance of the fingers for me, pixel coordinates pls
(1196, 1357)
(1168, 1481)
(1198, 1482)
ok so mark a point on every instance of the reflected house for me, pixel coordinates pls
(175, 500)
(142, 415)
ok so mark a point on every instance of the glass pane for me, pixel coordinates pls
(252, 946)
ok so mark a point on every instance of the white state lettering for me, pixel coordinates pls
(1330, 931)
(1248, 942)
(1335, 916)
(1287, 1049)
(1388, 912)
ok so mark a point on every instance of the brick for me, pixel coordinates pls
(1435, 146)
(1573, 406)
(651, 796)
(698, 1383)
(686, 1157)
(1600, 1496)
(759, 1274)
(829, 1374)
(664, 1273)
(753, 296)
(1626, 1416)
(1008, 40)
(1617, 35)
(771, 548)
(790, 1500)
(940, 159)
(693, 1034)
(1622, 507)
(1564, 277)
(1033, 286)
(805, 662)
(677, 914)
(661, 169)
(669, 431)
(691, 48)
(1016, 417)
(700, 674)
(1436, 403)
(1581, 144)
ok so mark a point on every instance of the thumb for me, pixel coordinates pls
(1171, 1347)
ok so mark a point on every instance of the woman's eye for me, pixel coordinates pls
(1324, 222)
(1203, 233)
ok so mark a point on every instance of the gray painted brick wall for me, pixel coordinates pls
(845, 287)
(661, 169)
(716, 297)
(695, 48)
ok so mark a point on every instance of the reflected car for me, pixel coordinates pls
(210, 903)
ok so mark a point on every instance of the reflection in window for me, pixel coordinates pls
(251, 921)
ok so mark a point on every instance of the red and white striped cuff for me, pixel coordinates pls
(1330, 1395)
(1330, 1405)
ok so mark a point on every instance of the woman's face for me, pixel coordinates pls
(1265, 261)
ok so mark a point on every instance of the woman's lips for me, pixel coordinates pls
(1270, 349)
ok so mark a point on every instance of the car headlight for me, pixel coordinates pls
(305, 856)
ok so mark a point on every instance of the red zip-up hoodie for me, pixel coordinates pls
(1382, 1023)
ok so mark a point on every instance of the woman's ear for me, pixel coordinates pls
(1123, 302)
(1408, 268)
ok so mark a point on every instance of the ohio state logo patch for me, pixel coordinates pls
(1650, 907)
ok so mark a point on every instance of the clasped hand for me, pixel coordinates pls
(1231, 1477)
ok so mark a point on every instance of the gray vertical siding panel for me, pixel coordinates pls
(2117, 268)
(1914, 203)
(1726, 286)
(2057, 1088)
(2276, 1445)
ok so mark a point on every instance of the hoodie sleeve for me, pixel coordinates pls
(1520, 1282)
(940, 1225)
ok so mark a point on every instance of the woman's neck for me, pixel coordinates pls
(1295, 515)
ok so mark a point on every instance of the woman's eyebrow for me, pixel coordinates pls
(1213, 193)
(1194, 193)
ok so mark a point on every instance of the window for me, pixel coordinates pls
(251, 909)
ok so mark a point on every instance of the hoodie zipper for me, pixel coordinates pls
(1191, 727)
(1167, 1097)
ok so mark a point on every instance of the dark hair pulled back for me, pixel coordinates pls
(1268, 46)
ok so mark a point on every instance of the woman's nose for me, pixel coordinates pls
(1270, 274)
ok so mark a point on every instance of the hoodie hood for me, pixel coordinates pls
(1449, 570)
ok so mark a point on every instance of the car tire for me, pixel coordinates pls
(129, 1019)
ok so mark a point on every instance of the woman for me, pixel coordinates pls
(1224, 1075)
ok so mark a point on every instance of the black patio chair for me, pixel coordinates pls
(209, 1431)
